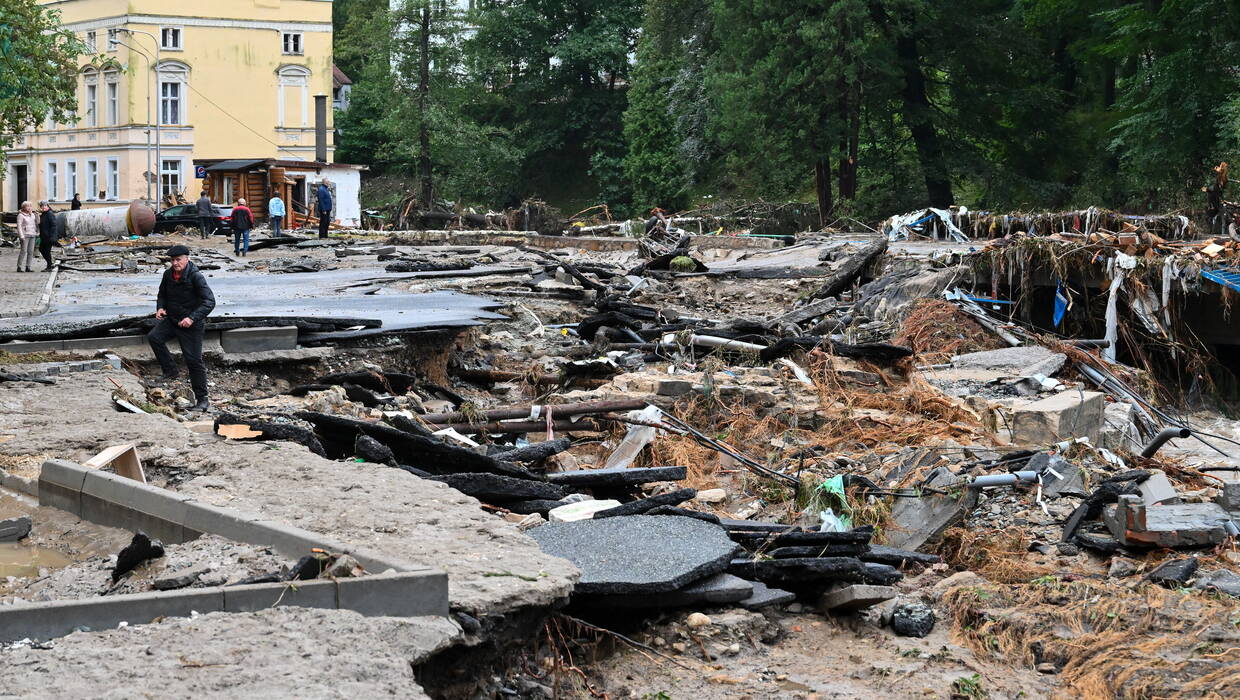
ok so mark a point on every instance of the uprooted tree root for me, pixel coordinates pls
(936, 330)
(1110, 642)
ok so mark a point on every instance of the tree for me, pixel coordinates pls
(38, 69)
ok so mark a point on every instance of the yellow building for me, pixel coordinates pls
(222, 79)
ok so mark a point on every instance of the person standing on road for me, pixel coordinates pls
(27, 232)
(206, 215)
(275, 209)
(242, 222)
(47, 233)
(181, 308)
(324, 198)
(76, 203)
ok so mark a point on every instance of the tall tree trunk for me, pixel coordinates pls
(917, 114)
(822, 185)
(424, 93)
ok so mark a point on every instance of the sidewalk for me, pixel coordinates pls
(22, 293)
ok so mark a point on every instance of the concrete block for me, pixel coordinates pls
(34, 346)
(119, 341)
(60, 485)
(116, 501)
(673, 387)
(396, 594)
(259, 339)
(58, 618)
(1183, 525)
(1157, 490)
(1230, 497)
(1064, 416)
(855, 597)
(231, 524)
(320, 593)
(285, 539)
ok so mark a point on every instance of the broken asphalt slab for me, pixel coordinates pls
(638, 554)
(617, 477)
(719, 589)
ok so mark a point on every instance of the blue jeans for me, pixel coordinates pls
(275, 226)
(240, 236)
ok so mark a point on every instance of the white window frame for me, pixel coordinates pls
(113, 33)
(113, 187)
(92, 179)
(112, 97)
(177, 74)
(53, 179)
(293, 43)
(91, 81)
(174, 182)
(71, 173)
(226, 190)
(91, 39)
(177, 33)
(293, 76)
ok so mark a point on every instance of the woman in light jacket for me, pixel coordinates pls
(27, 233)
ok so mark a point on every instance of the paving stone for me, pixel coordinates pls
(619, 477)
(13, 529)
(858, 596)
(638, 554)
(180, 578)
(500, 488)
(642, 505)
(764, 596)
(1064, 416)
(880, 554)
(713, 590)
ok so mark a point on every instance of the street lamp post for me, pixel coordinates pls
(150, 79)
(159, 120)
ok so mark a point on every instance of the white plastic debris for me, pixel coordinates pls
(638, 437)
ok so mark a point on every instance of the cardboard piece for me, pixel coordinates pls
(238, 432)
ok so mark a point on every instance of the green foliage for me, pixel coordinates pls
(38, 69)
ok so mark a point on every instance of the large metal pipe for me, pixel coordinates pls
(134, 218)
(1161, 439)
(320, 128)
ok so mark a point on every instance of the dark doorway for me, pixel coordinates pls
(299, 196)
(22, 183)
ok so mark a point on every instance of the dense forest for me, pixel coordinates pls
(867, 107)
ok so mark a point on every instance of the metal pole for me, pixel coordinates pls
(159, 119)
(149, 89)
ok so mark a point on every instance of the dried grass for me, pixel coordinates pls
(1111, 642)
(937, 330)
(998, 556)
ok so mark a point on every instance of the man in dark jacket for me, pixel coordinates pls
(182, 307)
(324, 196)
(242, 222)
(47, 233)
(206, 215)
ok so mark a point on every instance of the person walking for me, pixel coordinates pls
(181, 308)
(206, 215)
(76, 203)
(324, 198)
(275, 209)
(242, 222)
(47, 233)
(27, 232)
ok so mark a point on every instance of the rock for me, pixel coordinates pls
(916, 521)
(181, 578)
(14, 529)
(617, 478)
(711, 496)
(966, 579)
(1064, 416)
(1047, 667)
(344, 566)
(855, 597)
(141, 548)
(696, 620)
(582, 510)
(638, 554)
(796, 608)
(763, 596)
(1119, 430)
(644, 504)
(1221, 580)
(914, 619)
(1068, 549)
(679, 647)
(732, 649)
(1059, 476)
(1121, 568)
(525, 522)
(497, 488)
(372, 450)
(1174, 573)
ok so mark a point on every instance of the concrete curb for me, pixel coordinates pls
(407, 594)
(21, 484)
(45, 299)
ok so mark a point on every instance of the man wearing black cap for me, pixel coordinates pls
(182, 307)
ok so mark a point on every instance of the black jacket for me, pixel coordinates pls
(47, 225)
(204, 206)
(190, 297)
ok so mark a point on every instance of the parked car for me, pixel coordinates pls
(185, 216)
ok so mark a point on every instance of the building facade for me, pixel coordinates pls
(183, 81)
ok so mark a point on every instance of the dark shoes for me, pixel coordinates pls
(201, 406)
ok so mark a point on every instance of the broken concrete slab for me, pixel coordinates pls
(1157, 490)
(918, 521)
(1059, 476)
(14, 529)
(764, 597)
(617, 478)
(800, 571)
(581, 510)
(880, 554)
(642, 505)
(1181, 525)
(638, 554)
(1012, 360)
(498, 488)
(1064, 416)
(1119, 430)
(857, 596)
(719, 589)
(259, 339)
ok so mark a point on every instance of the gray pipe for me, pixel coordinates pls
(1002, 479)
(1161, 439)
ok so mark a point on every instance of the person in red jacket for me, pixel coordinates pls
(242, 222)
